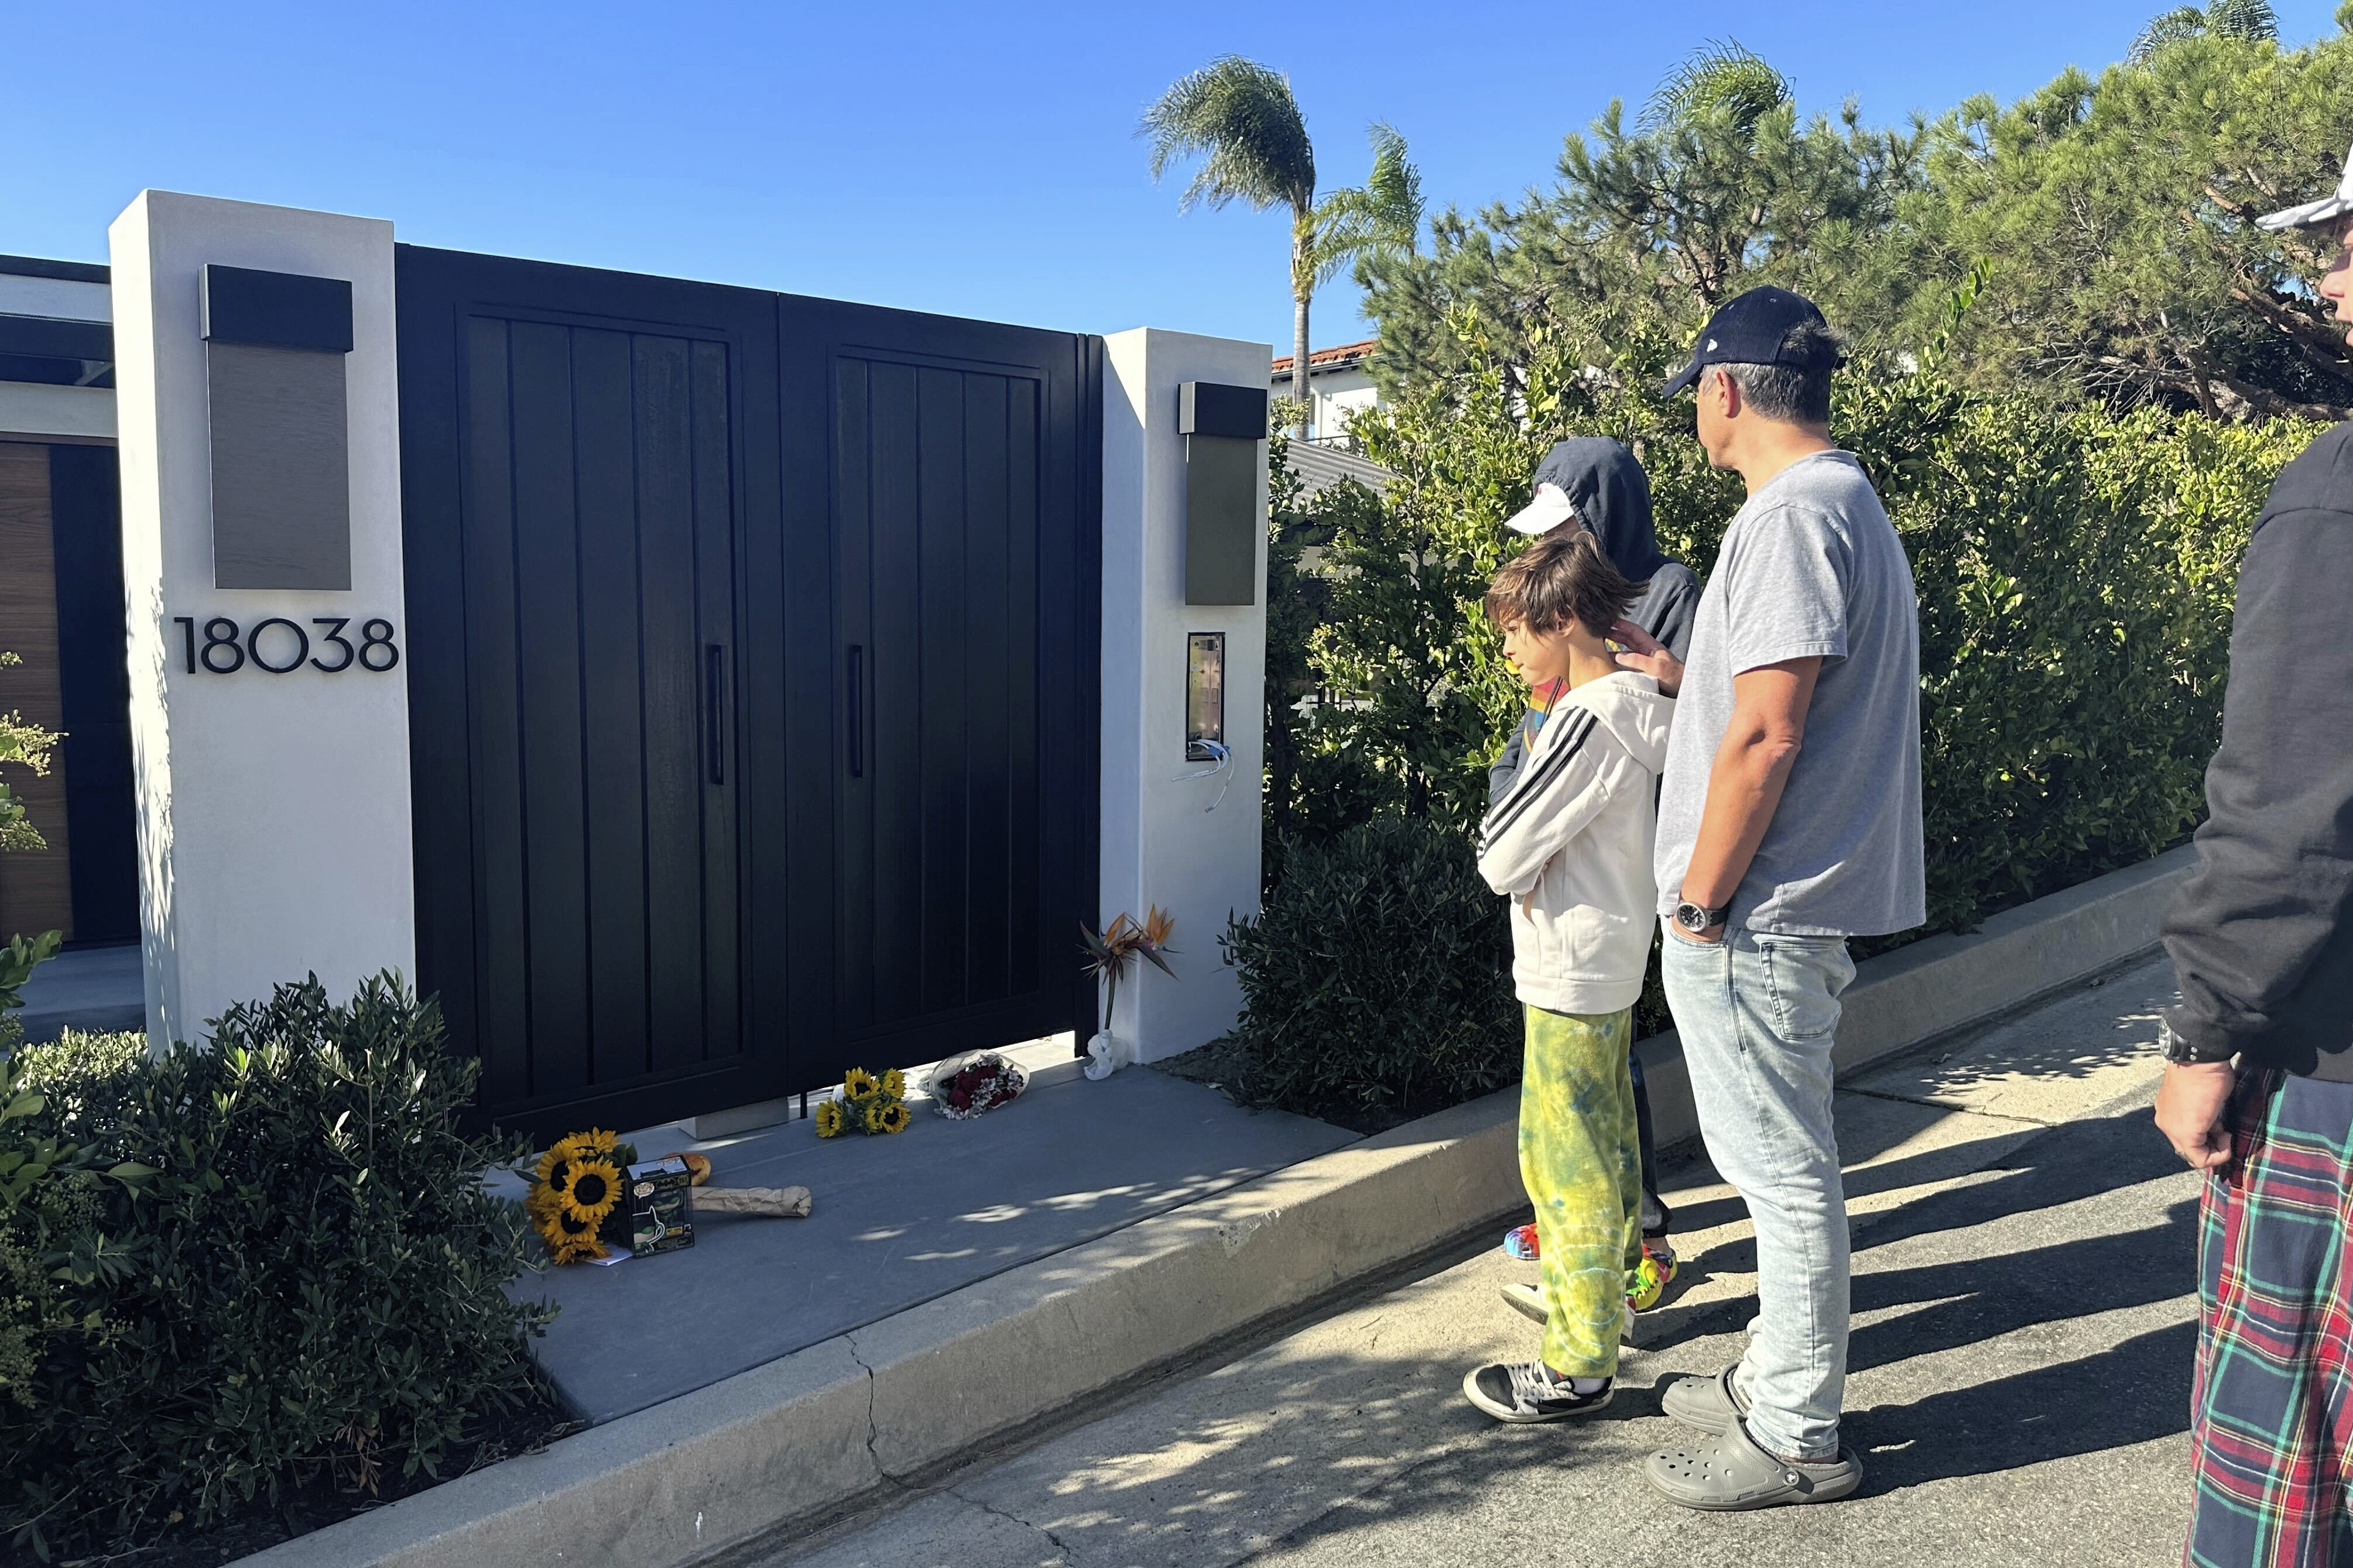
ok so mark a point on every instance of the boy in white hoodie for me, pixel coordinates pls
(1569, 841)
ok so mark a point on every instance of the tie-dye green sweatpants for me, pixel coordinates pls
(1581, 1161)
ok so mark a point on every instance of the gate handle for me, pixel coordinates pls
(715, 709)
(856, 711)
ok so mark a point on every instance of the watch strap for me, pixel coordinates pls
(2184, 1052)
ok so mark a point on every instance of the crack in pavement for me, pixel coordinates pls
(1957, 1109)
(1069, 1558)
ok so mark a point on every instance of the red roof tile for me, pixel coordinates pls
(1320, 359)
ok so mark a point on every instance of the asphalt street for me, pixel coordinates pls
(2024, 1322)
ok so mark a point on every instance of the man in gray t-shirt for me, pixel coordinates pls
(1789, 820)
(1811, 569)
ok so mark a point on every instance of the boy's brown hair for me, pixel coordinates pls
(1563, 576)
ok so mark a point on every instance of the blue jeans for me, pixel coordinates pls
(1757, 1014)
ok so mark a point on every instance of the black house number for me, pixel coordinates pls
(228, 649)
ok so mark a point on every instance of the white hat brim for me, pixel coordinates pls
(2305, 217)
(1547, 511)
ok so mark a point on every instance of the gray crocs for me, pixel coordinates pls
(1709, 1405)
(1727, 1473)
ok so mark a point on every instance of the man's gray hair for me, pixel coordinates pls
(1797, 392)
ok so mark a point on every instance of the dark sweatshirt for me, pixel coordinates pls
(2262, 934)
(1606, 483)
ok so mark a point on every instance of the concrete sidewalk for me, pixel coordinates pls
(2023, 1330)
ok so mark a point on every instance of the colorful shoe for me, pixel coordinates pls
(1520, 1242)
(1649, 1279)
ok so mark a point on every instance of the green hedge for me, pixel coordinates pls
(1376, 977)
(295, 1269)
(2075, 570)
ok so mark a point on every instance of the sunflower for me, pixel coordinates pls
(571, 1239)
(827, 1117)
(581, 1251)
(871, 1118)
(858, 1083)
(890, 1116)
(555, 1165)
(595, 1188)
(596, 1140)
(542, 1203)
(895, 1084)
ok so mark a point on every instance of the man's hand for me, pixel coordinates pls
(1648, 655)
(2190, 1107)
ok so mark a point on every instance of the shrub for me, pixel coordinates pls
(83, 1079)
(317, 1276)
(2075, 569)
(1376, 977)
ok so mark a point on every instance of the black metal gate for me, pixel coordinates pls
(752, 682)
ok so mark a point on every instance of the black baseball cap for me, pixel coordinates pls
(1750, 329)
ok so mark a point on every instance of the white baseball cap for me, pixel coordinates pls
(1548, 511)
(2334, 206)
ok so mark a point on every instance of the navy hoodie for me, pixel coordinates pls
(2262, 934)
(1606, 483)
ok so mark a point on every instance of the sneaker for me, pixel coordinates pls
(1526, 1391)
(1520, 1242)
(1528, 1300)
(1649, 1279)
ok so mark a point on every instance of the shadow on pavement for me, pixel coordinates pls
(2135, 1392)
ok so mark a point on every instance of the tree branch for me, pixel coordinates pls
(2324, 348)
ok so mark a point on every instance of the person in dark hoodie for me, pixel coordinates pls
(2262, 941)
(1593, 484)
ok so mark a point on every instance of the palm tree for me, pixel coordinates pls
(1242, 123)
(1723, 78)
(2248, 19)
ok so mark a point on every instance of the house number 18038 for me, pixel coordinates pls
(227, 647)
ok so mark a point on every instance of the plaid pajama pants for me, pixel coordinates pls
(2272, 1411)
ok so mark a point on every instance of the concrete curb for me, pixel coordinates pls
(750, 1456)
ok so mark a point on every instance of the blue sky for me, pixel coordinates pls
(977, 160)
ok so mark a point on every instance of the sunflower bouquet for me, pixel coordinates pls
(574, 1202)
(876, 1106)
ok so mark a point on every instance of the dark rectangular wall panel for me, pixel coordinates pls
(1222, 522)
(276, 309)
(1213, 408)
(280, 464)
(94, 691)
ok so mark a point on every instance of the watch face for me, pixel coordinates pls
(1691, 917)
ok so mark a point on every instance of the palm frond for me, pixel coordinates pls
(2183, 22)
(1381, 217)
(1239, 119)
(1395, 184)
(2253, 20)
(1722, 77)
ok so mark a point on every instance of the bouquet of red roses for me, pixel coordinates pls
(965, 1087)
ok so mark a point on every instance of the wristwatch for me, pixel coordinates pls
(1695, 918)
(2182, 1053)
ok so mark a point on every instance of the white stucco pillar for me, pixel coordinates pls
(274, 834)
(1188, 844)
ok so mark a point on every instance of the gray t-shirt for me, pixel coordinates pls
(1812, 566)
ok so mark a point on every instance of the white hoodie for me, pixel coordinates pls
(1570, 839)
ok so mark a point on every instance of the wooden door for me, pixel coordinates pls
(960, 466)
(575, 545)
